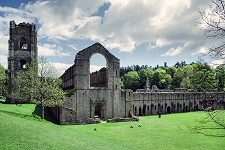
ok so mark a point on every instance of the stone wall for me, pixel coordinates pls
(99, 78)
(89, 101)
(68, 78)
(147, 103)
(110, 101)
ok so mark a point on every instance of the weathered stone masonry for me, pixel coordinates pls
(22, 51)
(89, 101)
(110, 101)
(147, 103)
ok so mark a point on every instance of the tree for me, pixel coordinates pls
(131, 80)
(212, 21)
(161, 79)
(177, 78)
(3, 78)
(220, 76)
(171, 71)
(203, 78)
(187, 74)
(144, 74)
(42, 89)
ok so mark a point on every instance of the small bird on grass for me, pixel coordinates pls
(95, 129)
(139, 125)
(131, 127)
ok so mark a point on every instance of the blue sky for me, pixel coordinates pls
(144, 32)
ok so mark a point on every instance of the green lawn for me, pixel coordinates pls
(19, 130)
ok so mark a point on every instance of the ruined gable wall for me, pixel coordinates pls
(86, 98)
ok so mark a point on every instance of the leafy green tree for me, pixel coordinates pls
(220, 76)
(187, 74)
(161, 79)
(144, 74)
(177, 78)
(3, 78)
(171, 71)
(203, 78)
(42, 89)
(131, 80)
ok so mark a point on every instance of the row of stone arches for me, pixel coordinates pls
(142, 110)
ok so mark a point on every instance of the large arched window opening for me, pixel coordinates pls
(98, 71)
(23, 43)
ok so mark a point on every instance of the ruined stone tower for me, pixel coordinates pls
(22, 51)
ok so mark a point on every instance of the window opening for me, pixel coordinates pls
(23, 43)
(23, 64)
(98, 71)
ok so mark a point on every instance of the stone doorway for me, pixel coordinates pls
(144, 110)
(99, 112)
(140, 113)
(186, 109)
(168, 109)
(196, 107)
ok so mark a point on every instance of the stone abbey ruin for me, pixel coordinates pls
(99, 93)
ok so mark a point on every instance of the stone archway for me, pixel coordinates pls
(140, 112)
(196, 107)
(99, 111)
(168, 109)
(178, 107)
(82, 67)
(98, 76)
(186, 108)
(144, 110)
(159, 108)
(135, 111)
(152, 108)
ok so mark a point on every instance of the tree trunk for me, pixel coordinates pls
(42, 110)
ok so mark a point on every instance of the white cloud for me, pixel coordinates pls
(160, 43)
(125, 25)
(202, 50)
(74, 47)
(51, 50)
(73, 15)
(173, 52)
(216, 63)
(60, 68)
(3, 61)
(168, 11)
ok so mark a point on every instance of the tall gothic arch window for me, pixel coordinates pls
(98, 71)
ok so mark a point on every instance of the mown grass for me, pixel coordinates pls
(20, 130)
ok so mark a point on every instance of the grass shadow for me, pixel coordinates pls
(48, 115)
(17, 114)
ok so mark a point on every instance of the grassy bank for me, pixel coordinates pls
(20, 130)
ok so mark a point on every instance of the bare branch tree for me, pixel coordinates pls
(212, 22)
